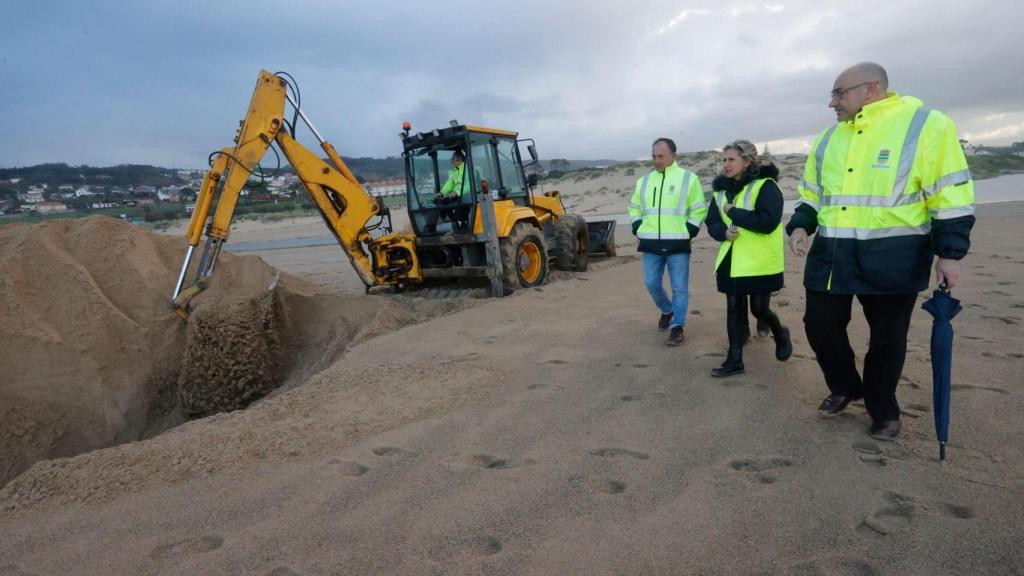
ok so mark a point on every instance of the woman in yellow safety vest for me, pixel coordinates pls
(745, 216)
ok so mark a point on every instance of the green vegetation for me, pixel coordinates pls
(989, 166)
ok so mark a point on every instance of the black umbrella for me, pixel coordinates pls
(943, 307)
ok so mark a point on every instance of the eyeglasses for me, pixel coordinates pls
(840, 92)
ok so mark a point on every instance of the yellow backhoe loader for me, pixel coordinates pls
(496, 229)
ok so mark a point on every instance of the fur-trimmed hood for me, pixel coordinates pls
(729, 185)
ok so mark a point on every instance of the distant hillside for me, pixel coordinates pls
(123, 175)
(706, 163)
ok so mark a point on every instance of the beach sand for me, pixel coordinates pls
(553, 432)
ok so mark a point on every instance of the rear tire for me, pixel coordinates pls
(524, 258)
(573, 240)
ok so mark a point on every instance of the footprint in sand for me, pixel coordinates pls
(902, 511)
(641, 365)
(479, 546)
(957, 511)
(910, 382)
(619, 453)
(759, 469)
(543, 386)
(887, 520)
(598, 484)
(915, 410)
(488, 462)
(348, 467)
(870, 453)
(631, 397)
(984, 388)
(1015, 355)
(555, 361)
(187, 547)
(1008, 320)
(392, 452)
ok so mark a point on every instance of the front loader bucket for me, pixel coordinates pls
(602, 237)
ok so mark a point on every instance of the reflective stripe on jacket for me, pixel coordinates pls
(663, 203)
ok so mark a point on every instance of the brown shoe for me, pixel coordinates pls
(675, 336)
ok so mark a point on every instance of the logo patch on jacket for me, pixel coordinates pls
(883, 159)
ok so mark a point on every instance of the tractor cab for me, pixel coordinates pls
(490, 164)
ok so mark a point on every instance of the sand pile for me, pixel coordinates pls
(94, 355)
(89, 340)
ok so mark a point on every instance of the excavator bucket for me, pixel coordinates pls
(602, 237)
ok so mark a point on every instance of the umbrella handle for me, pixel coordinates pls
(943, 287)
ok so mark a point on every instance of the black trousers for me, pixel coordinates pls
(888, 317)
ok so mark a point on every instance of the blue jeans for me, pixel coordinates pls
(679, 278)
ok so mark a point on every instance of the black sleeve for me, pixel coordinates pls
(636, 226)
(804, 217)
(767, 212)
(716, 228)
(952, 238)
(693, 230)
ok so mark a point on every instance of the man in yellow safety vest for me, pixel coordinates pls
(887, 190)
(666, 210)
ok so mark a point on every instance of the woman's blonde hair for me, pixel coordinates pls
(746, 150)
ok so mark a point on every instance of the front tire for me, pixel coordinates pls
(524, 258)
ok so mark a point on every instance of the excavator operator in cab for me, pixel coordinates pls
(450, 195)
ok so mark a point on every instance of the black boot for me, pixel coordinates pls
(733, 364)
(761, 305)
(735, 304)
(783, 345)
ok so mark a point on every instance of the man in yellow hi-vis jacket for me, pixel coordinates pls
(887, 190)
(667, 209)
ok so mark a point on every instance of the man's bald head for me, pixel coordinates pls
(856, 87)
(871, 72)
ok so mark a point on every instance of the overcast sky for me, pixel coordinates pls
(165, 83)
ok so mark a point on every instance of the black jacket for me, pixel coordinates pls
(764, 218)
(899, 265)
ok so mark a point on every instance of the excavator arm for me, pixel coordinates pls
(346, 208)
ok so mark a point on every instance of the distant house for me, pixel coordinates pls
(169, 194)
(32, 196)
(83, 191)
(101, 205)
(51, 207)
(393, 187)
